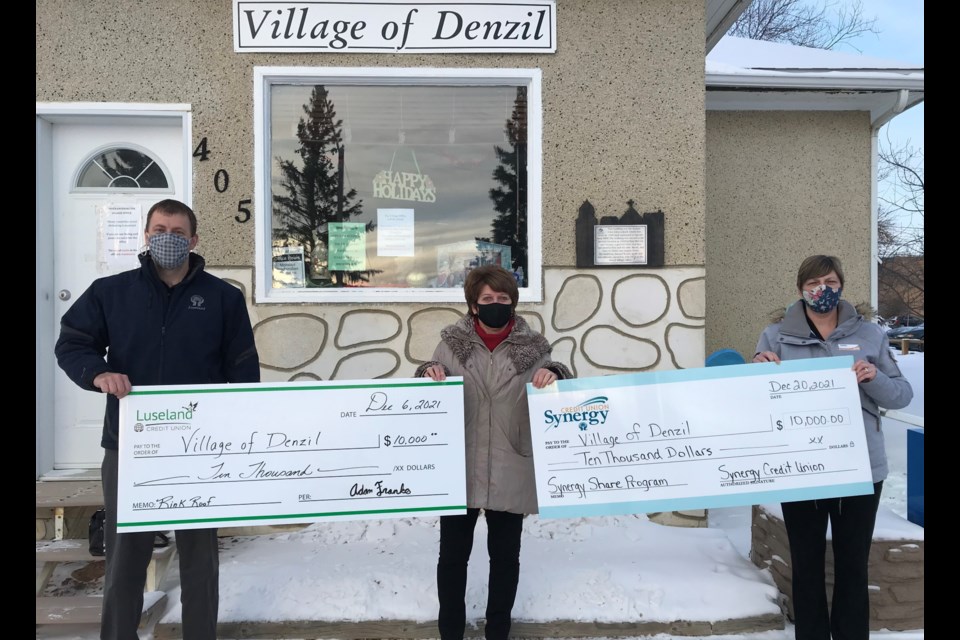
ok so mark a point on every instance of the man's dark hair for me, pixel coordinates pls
(499, 279)
(174, 207)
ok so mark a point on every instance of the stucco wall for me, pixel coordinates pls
(781, 186)
(623, 103)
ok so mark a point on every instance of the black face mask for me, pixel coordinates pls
(495, 314)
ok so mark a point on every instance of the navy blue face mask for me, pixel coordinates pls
(495, 315)
(822, 299)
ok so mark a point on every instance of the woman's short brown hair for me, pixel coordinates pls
(499, 279)
(817, 267)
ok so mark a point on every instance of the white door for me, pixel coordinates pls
(105, 175)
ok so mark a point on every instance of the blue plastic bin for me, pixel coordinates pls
(915, 476)
(723, 357)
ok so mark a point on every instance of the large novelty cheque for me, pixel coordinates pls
(699, 438)
(196, 456)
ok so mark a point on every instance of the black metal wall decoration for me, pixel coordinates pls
(632, 240)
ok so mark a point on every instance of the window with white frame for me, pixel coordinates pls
(391, 184)
(124, 169)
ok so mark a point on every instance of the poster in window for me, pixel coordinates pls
(288, 268)
(395, 233)
(348, 246)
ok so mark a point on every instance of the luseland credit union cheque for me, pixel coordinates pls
(194, 456)
(699, 438)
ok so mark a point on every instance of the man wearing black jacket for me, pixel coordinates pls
(168, 322)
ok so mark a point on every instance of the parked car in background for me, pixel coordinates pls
(908, 332)
(906, 320)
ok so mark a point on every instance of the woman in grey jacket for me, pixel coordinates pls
(820, 325)
(497, 353)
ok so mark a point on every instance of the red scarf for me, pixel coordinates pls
(492, 340)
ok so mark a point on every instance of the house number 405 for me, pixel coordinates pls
(221, 182)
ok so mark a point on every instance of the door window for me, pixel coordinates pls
(122, 169)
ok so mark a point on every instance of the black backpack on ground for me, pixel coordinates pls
(95, 533)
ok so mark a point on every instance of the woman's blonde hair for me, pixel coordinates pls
(818, 266)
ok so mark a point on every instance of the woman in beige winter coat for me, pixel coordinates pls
(497, 353)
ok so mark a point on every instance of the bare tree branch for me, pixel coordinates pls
(900, 172)
(900, 277)
(801, 22)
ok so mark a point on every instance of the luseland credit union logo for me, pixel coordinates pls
(168, 419)
(585, 415)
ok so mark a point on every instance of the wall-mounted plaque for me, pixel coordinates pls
(615, 244)
(632, 240)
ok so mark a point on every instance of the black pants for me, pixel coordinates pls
(127, 558)
(503, 546)
(851, 523)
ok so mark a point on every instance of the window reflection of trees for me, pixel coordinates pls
(314, 193)
(510, 197)
(122, 169)
(442, 135)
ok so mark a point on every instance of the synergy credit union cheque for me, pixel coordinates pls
(699, 438)
(196, 456)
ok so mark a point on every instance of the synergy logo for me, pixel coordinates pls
(589, 412)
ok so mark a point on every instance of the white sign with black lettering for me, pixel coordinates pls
(395, 26)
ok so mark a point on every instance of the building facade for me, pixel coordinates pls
(435, 162)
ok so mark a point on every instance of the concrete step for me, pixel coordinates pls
(56, 497)
(69, 493)
(86, 609)
(413, 630)
(53, 552)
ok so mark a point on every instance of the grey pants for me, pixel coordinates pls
(127, 558)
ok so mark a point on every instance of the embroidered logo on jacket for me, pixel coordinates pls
(196, 303)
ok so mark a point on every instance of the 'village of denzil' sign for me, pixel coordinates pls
(385, 26)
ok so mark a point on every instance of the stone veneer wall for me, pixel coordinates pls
(895, 566)
(599, 322)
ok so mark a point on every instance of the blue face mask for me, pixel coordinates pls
(822, 298)
(169, 250)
